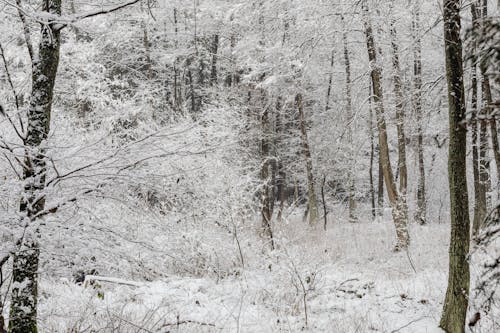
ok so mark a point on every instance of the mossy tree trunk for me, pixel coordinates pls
(456, 300)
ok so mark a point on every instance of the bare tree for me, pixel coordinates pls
(398, 205)
(456, 301)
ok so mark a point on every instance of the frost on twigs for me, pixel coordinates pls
(486, 257)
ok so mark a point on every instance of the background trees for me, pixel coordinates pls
(177, 129)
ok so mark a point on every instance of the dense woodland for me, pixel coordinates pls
(249, 166)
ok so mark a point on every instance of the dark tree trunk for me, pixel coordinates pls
(215, 50)
(456, 301)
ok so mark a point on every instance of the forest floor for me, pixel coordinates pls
(349, 277)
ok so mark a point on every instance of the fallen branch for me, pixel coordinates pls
(89, 278)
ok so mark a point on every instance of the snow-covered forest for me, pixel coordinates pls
(249, 166)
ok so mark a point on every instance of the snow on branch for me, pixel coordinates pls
(103, 11)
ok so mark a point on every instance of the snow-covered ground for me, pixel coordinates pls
(344, 280)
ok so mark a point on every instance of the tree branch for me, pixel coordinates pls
(103, 11)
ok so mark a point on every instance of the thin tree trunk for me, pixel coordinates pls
(456, 300)
(281, 177)
(479, 193)
(372, 155)
(215, 50)
(421, 209)
(177, 88)
(350, 124)
(398, 92)
(330, 81)
(266, 177)
(23, 308)
(312, 200)
(380, 184)
(397, 204)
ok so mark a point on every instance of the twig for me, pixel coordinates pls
(411, 322)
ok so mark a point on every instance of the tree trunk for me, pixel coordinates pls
(330, 81)
(399, 213)
(281, 177)
(456, 301)
(267, 200)
(215, 50)
(350, 124)
(23, 308)
(312, 200)
(372, 155)
(398, 92)
(479, 193)
(421, 209)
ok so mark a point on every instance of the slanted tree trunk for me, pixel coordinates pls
(399, 213)
(23, 307)
(350, 124)
(456, 300)
(398, 92)
(421, 209)
(311, 191)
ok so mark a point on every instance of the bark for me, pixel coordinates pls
(267, 198)
(479, 190)
(397, 204)
(23, 309)
(484, 163)
(312, 200)
(215, 50)
(281, 177)
(372, 155)
(177, 88)
(456, 300)
(398, 92)
(330, 80)
(147, 51)
(350, 175)
(421, 209)
(380, 184)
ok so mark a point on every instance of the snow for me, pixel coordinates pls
(353, 283)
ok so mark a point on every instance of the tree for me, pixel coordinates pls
(398, 204)
(32, 210)
(312, 202)
(350, 125)
(421, 210)
(400, 117)
(456, 300)
(23, 309)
